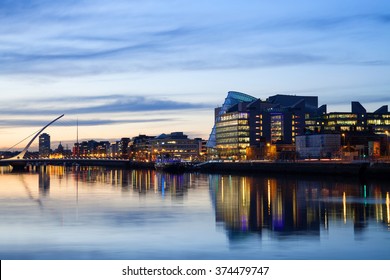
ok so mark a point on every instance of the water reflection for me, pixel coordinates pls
(128, 214)
(142, 181)
(44, 181)
(290, 206)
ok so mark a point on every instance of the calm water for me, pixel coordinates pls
(98, 213)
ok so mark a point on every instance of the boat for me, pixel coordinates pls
(173, 166)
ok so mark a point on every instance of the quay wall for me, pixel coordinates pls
(380, 170)
(369, 170)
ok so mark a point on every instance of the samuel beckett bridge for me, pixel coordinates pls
(20, 161)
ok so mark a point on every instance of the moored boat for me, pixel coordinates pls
(174, 166)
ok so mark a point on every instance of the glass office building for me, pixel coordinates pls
(232, 135)
(232, 99)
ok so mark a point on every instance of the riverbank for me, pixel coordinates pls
(380, 170)
(356, 169)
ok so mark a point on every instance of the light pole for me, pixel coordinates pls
(387, 142)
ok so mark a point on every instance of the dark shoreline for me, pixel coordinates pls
(369, 170)
(357, 170)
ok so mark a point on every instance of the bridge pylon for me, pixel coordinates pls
(22, 153)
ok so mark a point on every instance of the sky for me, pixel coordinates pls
(121, 68)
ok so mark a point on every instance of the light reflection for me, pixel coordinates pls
(378, 208)
(250, 209)
(143, 181)
(326, 220)
(269, 196)
(289, 206)
(277, 210)
(244, 204)
(344, 208)
(388, 207)
(294, 199)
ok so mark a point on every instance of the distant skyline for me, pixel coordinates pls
(123, 68)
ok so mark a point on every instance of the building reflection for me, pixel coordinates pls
(246, 205)
(141, 181)
(43, 180)
(293, 206)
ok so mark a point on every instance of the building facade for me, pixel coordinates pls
(318, 145)
(258, 124)
(44, 145)
(232, 135)
(358, 120)
(123, 147)
(281, 118)
(174, 145)
(233, 98)
(141, 148)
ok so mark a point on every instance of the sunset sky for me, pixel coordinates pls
(123, 68)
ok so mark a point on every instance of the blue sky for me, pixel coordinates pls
(128, 67)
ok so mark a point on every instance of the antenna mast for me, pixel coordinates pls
(77, 137)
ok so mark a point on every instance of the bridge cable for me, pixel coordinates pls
(23, 140)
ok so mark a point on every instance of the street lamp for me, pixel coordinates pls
(387, 142)
(343, 141)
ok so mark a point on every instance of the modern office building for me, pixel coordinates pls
(123, 147)
(359, 129)
(246, 122)
(174, 145)
(140, 149)
(44, 145)
(231, 99)
(358, 120)
(232, 133)
(280, 118)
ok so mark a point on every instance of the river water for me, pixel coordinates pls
(98, 213)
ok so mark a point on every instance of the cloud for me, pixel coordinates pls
(76, 38)
(94, 105)
(94, 37)
(72, 122)
(323, 23)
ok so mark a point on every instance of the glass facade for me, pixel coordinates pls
(232, 135)
(345, 122)
(276, 127)
(232, 98)
(243, 122)
(379, 123)
(185, 149)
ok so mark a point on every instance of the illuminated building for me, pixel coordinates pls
(102, 148)
(202, 148)
(245, 125)
(141, 148)
(123, 147)
(232, 132)
(280, 118)
(232, 98)
(174, 145)
(114, 149)
(44, 145)
(358, 120)
(362, 133)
